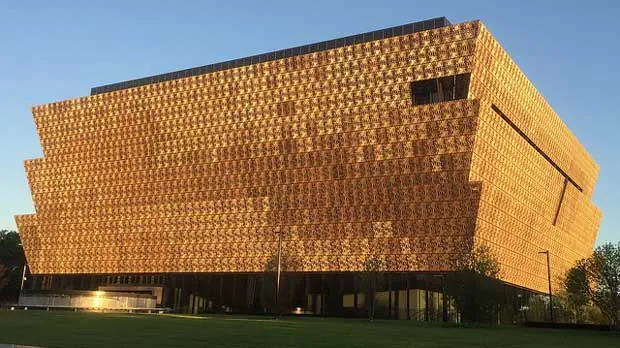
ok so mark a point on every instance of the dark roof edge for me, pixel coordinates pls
(380, 34)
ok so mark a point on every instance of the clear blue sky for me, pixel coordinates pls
(55, 50)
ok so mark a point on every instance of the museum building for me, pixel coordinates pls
(409, 145)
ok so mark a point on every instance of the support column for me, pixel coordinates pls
(444, 298)
(426, 309)
(408, 300)
(306, 291)
(389, 288)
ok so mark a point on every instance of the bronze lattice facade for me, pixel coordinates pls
(198, 172)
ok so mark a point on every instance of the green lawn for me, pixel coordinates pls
(68, 329)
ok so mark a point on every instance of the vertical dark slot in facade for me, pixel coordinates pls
(440, 89)
(557, 211)
(538, 149)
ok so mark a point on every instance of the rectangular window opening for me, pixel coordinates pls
(440, 89)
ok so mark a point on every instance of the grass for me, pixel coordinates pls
(68, 329)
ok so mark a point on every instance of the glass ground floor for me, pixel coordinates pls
(413, 296)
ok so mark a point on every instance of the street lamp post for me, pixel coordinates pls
(279, 233)
(549, 281)
(23, 278)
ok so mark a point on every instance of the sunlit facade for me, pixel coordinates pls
(411, 145)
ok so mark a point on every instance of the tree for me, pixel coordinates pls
(475, 286)
(479, 260)
(575, 286)
(288, 263)
(596, 279)
(4, 277)
(372, 277)
(13, 259)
